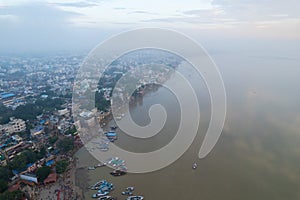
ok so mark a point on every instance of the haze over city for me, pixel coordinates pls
(94, 95)
(32, 26)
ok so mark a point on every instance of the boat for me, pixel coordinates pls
(195, 165)
(126, 193)
(101, 164)
(130, 189)
(117, 173)
(105, 198)
(112, 136)
(100, 185)
(91, 168)
(135, 198)
(100, 194)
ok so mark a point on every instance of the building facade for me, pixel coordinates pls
(14, 126)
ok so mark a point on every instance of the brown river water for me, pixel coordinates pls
(257, 156)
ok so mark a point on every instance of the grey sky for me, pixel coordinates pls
(74, 25)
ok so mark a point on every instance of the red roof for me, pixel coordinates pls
(51, 178)
(14, 187)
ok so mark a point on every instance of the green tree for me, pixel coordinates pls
(43, 172)
(3, 185)
(5, 114)
(27, 112)
(100, 102)
(31, 156)
(53, 139)
(19, 162)
(42, 152)
(5, 173)
(65, 144)
(15, 195)
(61, 166)
(71, 131)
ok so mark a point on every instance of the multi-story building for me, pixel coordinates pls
(14, 126)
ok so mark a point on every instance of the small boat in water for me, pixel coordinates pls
(195, 166)
(100, 194)
(105, 198)
(126, 193)
(130, 189)
(101, 164)
(135, 198)
(117, 173)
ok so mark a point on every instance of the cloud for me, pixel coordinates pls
(80, 4)
(120, 8)
(142, 12)
(34, 27)
(200, 18)
(259, 10)
(38, 14)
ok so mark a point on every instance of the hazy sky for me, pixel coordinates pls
(70, 24)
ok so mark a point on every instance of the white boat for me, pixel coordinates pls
(105, 198)
(195, 165)
(135, 198)
(130, 189)
(101, 194)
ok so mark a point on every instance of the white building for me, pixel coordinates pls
(14, 126)
(29, 177)
(63, 112)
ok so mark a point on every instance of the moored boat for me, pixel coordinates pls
(105, 198)
(135, 198)
(100, 194)
(117, 173)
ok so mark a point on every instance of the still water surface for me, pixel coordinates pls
(258, 154)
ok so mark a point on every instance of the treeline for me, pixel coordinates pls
(30, 110)
(26, 157)
(5, 175)
(100, 102)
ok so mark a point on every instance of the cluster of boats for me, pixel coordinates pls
(117, 164)
(101, 164)
(129, 191)
(103, 189)
(108, 137)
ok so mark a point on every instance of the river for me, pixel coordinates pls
(257, 156)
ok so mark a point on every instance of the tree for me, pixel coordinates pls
(53, 139)
(3, 185)
(5, 173)
(15, 195)
(100, 102)
(31, 156)
(65, 144)
(71, 131)
(19, 162)
(43, 172)
(42, 152)
(61, 166)
(27, 112)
